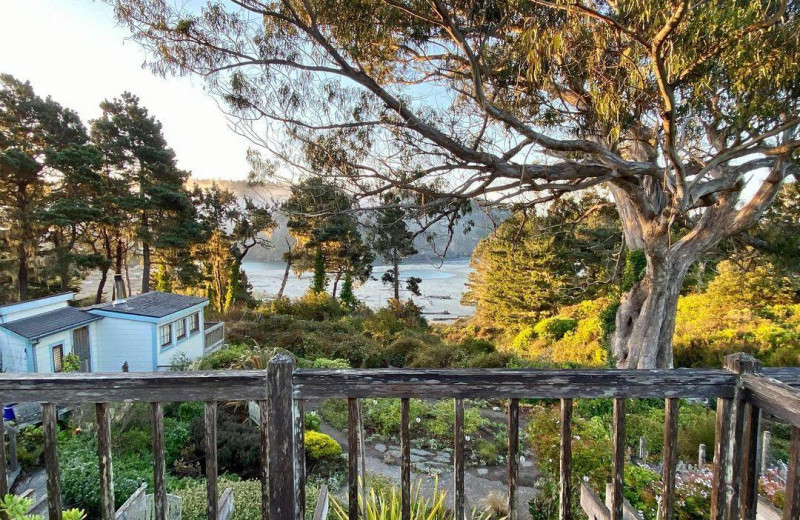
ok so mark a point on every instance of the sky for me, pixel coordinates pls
(74, 51)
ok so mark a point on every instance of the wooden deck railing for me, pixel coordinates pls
(742, 390)
(214, 336)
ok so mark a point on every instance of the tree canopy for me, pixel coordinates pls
(672, 105)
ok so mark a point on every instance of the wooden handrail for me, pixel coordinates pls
(512, 383)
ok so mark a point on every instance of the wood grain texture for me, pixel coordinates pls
(300, 458)
(280, 405)
(773, 397)
(667, 509)
(513, 458)
(459, 509)
(159, 463)
(321, 508)
(791, 510)
(749, 469)
(721, 459)
(591, 504)
(3, 462)
(618, 458)
(81, 387)
(405, 462)
(263, 415)
(105, 466)
(352, 458)
(511, 383)
(50, 427)
(212, 503)
(565, 462)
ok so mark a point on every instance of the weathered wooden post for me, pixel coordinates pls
(701, 455)
(642, 448)
(280, 438)
(733, 445)
(766, 444)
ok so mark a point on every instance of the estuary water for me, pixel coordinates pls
(442, 286)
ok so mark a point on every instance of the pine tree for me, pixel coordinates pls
(133, 141)
(163, 280)
(347, 295)
(322, 217)
(392, 239)
(35, 135)
(320, 280)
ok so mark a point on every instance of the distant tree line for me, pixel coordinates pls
(75, 199)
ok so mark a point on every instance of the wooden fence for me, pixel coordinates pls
(742, 389)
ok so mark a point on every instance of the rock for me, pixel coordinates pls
(431, 468)
(526, 463)
(483, 472)
(416, 458)
(442, 457)
(380, 448)
(392, 457)
(420, 453)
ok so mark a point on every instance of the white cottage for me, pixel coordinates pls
(142, 333)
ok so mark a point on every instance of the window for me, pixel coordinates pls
(166, 335)
(180, 329)
(195, 319)
(58, 358)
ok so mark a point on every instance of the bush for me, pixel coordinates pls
(553, 329)
(312, 421)
(238, 444)
(311, 306)
(30, 446)
(397, 317)
(225, 357)
(321, 447)
(80, 476)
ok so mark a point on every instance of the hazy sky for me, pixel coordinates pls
(74, 51)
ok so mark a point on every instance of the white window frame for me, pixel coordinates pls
(178, 324)
(60, 347)
(194, 318)
(161, 335)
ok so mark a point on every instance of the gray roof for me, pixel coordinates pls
(51, 322)
(153, 304)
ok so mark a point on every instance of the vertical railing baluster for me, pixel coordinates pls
(300, 458)
(618, 458)
(212, 502)
(565, 462)
(159, 464)
(458, 461)
(667, 509)
(3, 463)
(722, 437)
(281, 440)
(405, 466)
(50, 426)
(750, 437)
(263, 423)
(352, 457)
(791, 510)
(105, 465)
(513, 457)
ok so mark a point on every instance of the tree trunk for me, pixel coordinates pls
(336, 283)
(396, 268)
(645, 321)
(22, 272)
(285, 277)
(98, 297)
(145, 267)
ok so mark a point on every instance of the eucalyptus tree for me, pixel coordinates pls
(675, 106)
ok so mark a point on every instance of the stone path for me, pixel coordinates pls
(479, 483)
